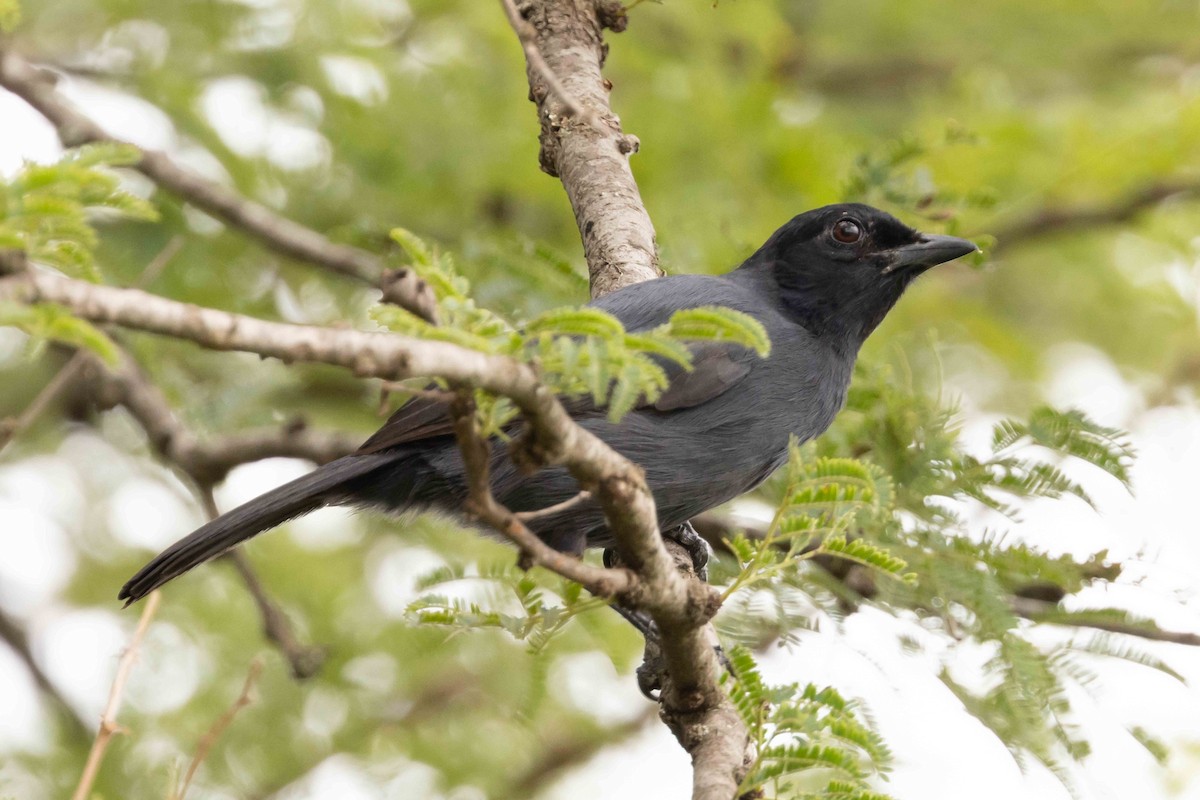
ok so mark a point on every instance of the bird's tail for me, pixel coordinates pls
(291, 500)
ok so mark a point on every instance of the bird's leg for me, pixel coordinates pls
(652, 661)
(652, 668)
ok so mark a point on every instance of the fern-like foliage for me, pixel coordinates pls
(49, 211)
(579, 352)
(809, 741)
(531, 607)
(824, 500)
(903, 508)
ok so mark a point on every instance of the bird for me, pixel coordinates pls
(819, 285)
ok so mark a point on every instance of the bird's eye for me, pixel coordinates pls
(847, 231)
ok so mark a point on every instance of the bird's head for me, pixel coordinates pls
(839, 269)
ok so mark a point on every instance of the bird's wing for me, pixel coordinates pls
(716, 368)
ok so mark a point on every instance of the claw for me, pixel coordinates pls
(695, 545)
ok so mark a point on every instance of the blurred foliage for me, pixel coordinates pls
(356, 116)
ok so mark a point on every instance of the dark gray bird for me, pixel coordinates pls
(819, 285)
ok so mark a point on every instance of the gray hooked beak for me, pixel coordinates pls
(928, 251)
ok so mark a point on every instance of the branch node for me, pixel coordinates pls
(404, 288)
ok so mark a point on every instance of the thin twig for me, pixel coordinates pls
(570, 502)
(279, 233)
(304, 660)
(1052, 220)
(223, 722)
(1046, 613)
(160, 262)
(108, 720)
(533, 57)
(11, 428)
(476, 450)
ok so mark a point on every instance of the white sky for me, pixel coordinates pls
(942, 753)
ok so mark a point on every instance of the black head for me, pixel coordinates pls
(839, 269)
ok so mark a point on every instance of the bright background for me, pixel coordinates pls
(359, 115)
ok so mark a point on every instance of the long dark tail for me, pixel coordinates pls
(305, 494)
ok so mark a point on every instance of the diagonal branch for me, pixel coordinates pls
(15, 637)
(477, 453)
(591, 158)
(214, 733)
(279, 233)
(127, 385)
(1051, 220)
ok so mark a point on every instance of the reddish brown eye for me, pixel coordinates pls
(847, 231)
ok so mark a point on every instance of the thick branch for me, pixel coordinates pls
(1051, 221)
(209, 461)
(274, 231)
(590, 157)
(592, 160)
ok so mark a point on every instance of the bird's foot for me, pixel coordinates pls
(687, 538)
(653, 666)
(695, 545)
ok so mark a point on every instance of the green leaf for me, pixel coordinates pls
(576, 322)
(714, 323)
(45, 321)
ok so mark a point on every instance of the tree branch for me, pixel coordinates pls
(1050, 221)
(214, 733)
(591, 158)
(476, 450)
(620, 246)
(695, 705)
(274, 231)
(108, 720)
(1052, 614)
(204, 466)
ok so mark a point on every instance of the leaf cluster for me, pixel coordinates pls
(908, 507)
(810, 741)
(49, 212)
(579, 352)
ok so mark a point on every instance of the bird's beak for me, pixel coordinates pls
(928, 251)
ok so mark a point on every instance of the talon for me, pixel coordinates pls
(695, 545)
